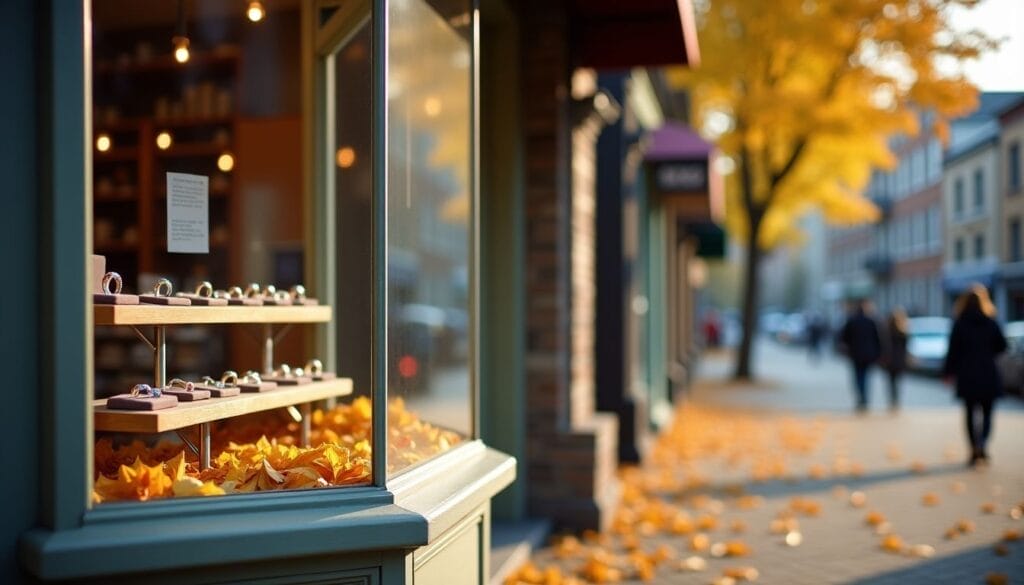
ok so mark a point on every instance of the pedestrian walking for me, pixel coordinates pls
(894, 356)
(970, 363)
(863, 346)
(815, 333)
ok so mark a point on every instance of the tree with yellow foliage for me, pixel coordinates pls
(803, 95)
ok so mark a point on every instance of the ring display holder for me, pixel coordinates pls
(226, 402)
(140, 403)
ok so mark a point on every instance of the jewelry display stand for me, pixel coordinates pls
(202, 413)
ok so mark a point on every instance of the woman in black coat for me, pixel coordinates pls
(894, 358)
(974, 343)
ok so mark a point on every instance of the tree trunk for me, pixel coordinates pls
(750, 298)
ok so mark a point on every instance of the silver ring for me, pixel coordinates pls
(315, 367)
(253, 290)
(209, 381)
(284, 371)
(160, 285)
(298, 292)
(179, 383)
(204, 289)
(107, 279)
(234, 292)
(298, 372)
(282, 295)
(252, 377)
(229, 378)
(269, 291)
(143, 390)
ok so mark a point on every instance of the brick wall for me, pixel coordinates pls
(570, 450)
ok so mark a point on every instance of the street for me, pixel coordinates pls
(782, 483)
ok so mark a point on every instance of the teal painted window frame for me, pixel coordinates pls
(65, 255)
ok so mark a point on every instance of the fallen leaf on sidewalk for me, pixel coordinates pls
(930, 499)
(858, 499)
(997, 579)
(693, 564)
(742, 573)
(892, 544)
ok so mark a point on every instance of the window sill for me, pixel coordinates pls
(418, 506)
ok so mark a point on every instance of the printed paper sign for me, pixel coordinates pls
(188, 213)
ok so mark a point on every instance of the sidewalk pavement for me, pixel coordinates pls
(740, 486)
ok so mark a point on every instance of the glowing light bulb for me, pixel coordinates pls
(164, 140)
(432, 107)
(255, 12)
(103, 142)
(226, 162)
(181, 52)
(346, 157)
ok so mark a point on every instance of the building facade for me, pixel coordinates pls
(972, 207)
(896, 262)
(1011, 194)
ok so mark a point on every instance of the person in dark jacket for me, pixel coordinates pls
(894, 359)
(863, 346)
(974, 343)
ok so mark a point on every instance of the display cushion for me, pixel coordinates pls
(155, 300)
(292, 381)
(324, 376)
(186, 396)
(306, 302)
(199, 301)
(129, 402)
(261, 387)
(220, 392)
(99, 268)
(121, 299)
(278, 302)
(247, 301)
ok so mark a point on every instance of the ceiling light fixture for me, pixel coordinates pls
(180, 38)
(255, 12)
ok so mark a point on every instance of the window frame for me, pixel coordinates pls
(66, 247)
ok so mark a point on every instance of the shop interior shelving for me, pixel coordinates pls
(203, 413)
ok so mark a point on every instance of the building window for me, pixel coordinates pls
(979, 247)
(979, 190)
(958, 248)
(934, 160)
(958, 197)
(1014, 165)
(1015, 240)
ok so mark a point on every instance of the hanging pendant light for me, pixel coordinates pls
(255, 12)
(180, 40)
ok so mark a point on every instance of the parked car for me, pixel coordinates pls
(1011, 362)
(927, 342)
(771, 323)
(793, 330)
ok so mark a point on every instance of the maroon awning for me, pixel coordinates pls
(618, 34)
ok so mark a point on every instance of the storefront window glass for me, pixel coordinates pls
(429, 220)
(199, 174)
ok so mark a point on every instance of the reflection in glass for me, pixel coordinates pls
(429, 176)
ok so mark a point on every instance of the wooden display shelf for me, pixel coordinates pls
(165, 315)
(187, 414)
(166, 63)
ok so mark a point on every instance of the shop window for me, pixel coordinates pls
(958, 248)
(979, 247)
(429, 242)
(199, 176)
(205, 171)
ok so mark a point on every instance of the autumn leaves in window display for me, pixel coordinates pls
(261, 452)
